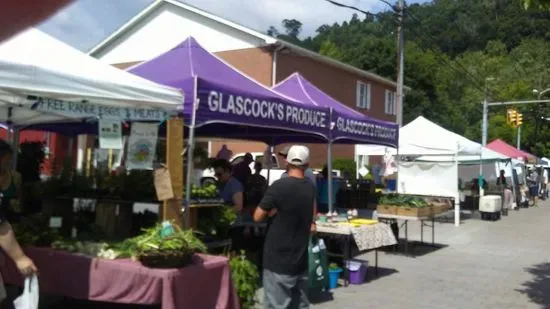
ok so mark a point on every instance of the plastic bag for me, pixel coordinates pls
(29, 298)
(317, 264)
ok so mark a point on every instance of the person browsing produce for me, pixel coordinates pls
(290, 202)
(308, 172)
(8, 187)
(242, 170)
(231, 190)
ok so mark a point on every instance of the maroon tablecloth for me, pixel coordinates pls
(205, 284)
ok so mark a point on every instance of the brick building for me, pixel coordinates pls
(165, 23)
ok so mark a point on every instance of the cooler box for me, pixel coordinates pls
(490, 203)
(357, 271)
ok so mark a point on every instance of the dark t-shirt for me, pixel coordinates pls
(286, 242)
(242, 172)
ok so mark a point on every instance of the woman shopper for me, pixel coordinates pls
(9, 182)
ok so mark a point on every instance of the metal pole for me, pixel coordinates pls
(190, 147)
(484, 123)
(329, 184)
(457, 197)
(329, 165)
(519, 138)
(400, 61)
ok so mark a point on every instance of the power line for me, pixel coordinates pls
(463, 71)
(350, 7)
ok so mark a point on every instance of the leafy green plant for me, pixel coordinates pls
(245, 277)
(35, 230)
(216, 221)
(151, 242)
(346, 167)
(333, 266)
(402, 200)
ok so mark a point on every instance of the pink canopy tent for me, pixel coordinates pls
(506, 149)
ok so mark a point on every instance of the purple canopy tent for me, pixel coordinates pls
(349, 126)
(229, 102)
(219, 101)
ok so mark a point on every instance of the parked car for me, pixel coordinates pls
(275, 173)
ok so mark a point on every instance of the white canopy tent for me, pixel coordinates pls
(434, 155)
(34, 65)
(423, 137)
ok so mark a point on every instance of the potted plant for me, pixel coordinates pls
(334, 272)
(245, 278)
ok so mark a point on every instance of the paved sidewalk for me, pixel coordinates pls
(503, 264)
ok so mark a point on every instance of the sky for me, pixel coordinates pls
(85, 23)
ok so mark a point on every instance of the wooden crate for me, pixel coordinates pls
(439, 208)
(386, 209)
(415, 212)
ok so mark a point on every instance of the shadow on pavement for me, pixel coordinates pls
(319, 297)
(538, 288)
(382, 272)
(415, 248)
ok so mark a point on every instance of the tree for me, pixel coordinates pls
(292, 27)
(272, 31)
(540, 4)
(329, 49)
(452, 48)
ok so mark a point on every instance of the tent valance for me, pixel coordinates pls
(228, 99)
(34, 65)
(349, 125)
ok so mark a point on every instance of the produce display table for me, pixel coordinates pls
(366, 237)
(194, 212)
(205, 284)
(405, 219)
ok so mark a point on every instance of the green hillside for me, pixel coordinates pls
(455, 52)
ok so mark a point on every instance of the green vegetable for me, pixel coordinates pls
(245, 278)
(333, 266)
(402, 200)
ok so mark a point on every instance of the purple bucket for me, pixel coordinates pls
(357, 271)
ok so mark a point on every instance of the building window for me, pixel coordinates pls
(363, 95)
(390, 108)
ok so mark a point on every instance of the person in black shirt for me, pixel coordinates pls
(242, 170)
(290, 204)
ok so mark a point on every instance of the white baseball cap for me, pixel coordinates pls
(298, 155)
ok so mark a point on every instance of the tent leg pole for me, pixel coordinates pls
(457, 199)
(329, 184)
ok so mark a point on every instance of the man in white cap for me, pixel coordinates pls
(308, 172)
(290, 204)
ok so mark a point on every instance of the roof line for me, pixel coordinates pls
(268, 40)
(125, 27)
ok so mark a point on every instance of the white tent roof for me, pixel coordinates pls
(486, 155)
(423, 137)
(35, 64)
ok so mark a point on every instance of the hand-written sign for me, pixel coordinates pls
(80, 109)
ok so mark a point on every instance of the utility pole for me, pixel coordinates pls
(519, 138)
(400, 60)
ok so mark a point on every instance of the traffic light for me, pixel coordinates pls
(511, 117)
(519, 119)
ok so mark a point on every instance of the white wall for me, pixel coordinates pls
(166, 27)
(428, 178)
